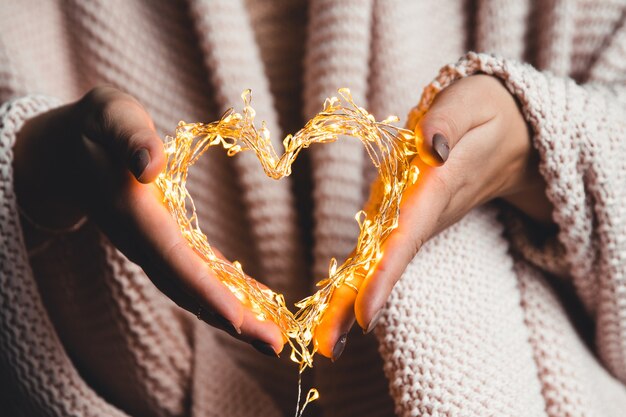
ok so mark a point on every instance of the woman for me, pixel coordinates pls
(480, 322)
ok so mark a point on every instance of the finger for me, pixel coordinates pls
(264, 335)
(451, 115)
(255, 329)
(420, 211)
(140, 225)
(332, 332)
(118, 122)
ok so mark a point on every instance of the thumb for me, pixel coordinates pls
(120, 124)
(452, 114)
(420, 211)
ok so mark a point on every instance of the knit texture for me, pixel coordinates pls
(480, 324)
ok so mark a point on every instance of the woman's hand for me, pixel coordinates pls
(98, 157)
(475, 147)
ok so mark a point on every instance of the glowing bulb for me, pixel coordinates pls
(390, 148)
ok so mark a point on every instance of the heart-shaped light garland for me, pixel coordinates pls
(390, 148)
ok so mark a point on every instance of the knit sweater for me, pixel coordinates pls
(486, 320)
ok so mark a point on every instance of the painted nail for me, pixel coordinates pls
(218, 320)
(139, 161)
(373, 322)
(339, 347)
(225, 324)
(264, 348)
(441, 147)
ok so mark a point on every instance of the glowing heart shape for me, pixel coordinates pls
(390, 148)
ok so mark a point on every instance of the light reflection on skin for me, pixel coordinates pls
(390, 148)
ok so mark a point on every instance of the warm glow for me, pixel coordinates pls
(390, 148)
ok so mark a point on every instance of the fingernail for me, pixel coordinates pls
(339, 347)
(139, 161)
(441, 147)
(225, 324)
(264, 348)
(373, 322)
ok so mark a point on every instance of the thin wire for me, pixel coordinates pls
(390, 149)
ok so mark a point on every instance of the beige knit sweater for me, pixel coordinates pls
(485, 321)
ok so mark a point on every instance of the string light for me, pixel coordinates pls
(390, 149)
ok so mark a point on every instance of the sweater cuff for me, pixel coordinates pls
(530, 87)
(13, 115)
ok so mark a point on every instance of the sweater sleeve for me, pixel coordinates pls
(33, 361)
(580, 134)
(107, 326)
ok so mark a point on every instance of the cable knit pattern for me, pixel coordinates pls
(569, 375)
(273, 220)
(471, 357)
(32, 357)
(480, 324)
(589, 215)
(136, 327)
(330, 64)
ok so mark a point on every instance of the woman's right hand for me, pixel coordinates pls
(98, 157)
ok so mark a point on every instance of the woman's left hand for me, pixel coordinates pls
(475, 147)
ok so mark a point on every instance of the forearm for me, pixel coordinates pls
(578, 132)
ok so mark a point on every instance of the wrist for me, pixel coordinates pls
(41, 174)
(524, 187)
(529, 196)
